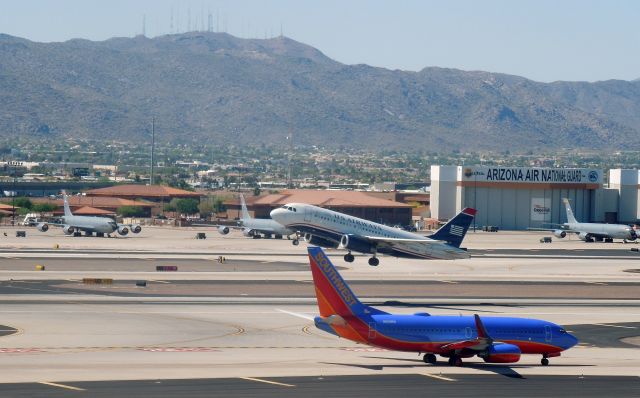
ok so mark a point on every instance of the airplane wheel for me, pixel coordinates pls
(296, 242)
(373, 261)
(544, 362)
(349, 257)
(430, 358)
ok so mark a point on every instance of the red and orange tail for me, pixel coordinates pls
(334, 295)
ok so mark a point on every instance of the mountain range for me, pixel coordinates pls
(215, 88)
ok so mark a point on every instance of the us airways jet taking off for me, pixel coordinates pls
(75, 225)
(255, 227)
(494, 339)
(331, 229)
(589, 232)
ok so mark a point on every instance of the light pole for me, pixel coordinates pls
(13, 198)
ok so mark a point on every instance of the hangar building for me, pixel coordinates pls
(519, 198)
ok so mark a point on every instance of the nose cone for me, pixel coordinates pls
(569, 341)
(279, 215)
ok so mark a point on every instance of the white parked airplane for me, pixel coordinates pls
(75, 225)
(257, 227)
(331, 229)
(589, 232)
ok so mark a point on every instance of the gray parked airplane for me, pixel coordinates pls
(75, 225)
(589, 232)
(258, 227)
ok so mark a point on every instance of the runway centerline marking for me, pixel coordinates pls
(267, 381)
(614, 326)
(62, 386)
(453, 282)
(438, 377)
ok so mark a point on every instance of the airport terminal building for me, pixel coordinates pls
(518, 198)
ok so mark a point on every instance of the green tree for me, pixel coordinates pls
(44, 207)
(187, 206)
(24, 203)
(131, 211)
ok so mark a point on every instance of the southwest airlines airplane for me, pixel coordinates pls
(327, 228)
(494, 339)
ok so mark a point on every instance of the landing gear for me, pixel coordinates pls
(295, 242)
(544, 361)
(430, 358)
(349, 257)
(77, 233)
(373, 261)
(278, 236)
(455, 360)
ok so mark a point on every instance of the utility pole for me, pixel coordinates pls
(13, 198)
(153, 146)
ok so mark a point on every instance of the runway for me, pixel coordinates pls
(386, 290)
(227, 327)
(379, 386)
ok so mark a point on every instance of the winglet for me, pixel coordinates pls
(245, 212)
(482, 332)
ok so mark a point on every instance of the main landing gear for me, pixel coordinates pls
(430, 359)
(373, 261)
(349, 257)
(455, 360)
(544, 361)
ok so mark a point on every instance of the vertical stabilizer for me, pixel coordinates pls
(570, 217)
(245, 212)
(334, 295)
(454, 231)
(67, 209)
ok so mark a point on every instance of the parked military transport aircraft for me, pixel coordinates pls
(589, 232)
(330, 229)
(75, 225)
(257, 227)
(494, 339)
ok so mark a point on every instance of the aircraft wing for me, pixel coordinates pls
(478, 344)
(398, 240)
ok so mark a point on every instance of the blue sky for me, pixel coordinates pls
(542, 40)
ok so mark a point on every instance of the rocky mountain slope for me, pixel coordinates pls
(213, 87)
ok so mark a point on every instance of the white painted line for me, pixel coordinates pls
(154, 280)
(437, 377)
(615, 326)
(61, 386)
(453, 282)
(303, 316)
(597, 283)
(267, 381)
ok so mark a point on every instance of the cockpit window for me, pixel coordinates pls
(562, 330)
(289, 208)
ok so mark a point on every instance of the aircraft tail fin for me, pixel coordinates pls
(333, 294)
(570, 217)
(67, 209)
(245, 212)
(454, 231)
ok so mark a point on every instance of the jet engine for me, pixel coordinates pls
(122, 230)
(318, 241)
(584, 236)
(42, 227)
(355, 243)
(560, 233)
(247, 232)
(68, 230)
(223, 230)
(501, 353)
(136, 229)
